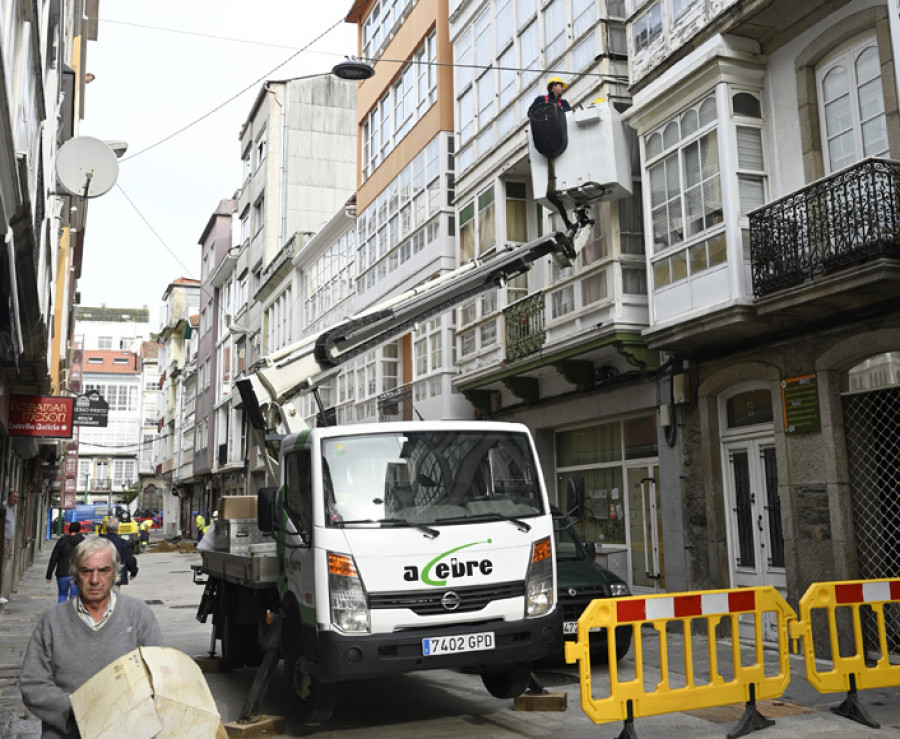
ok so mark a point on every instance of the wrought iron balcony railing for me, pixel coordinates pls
(840, 220)
(525, 326)
(396, 404)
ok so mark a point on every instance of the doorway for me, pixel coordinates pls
(753, 505)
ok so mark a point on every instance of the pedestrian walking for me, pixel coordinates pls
(9, 540)
(74, 640)
(127, 562)
(59, 562)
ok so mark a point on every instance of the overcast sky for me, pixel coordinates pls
(158, 67)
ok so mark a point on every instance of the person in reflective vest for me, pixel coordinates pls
(201, 525)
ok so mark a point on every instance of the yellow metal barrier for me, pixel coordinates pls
(629, 699)
(848, 672)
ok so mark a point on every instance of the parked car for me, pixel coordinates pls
(580, 579)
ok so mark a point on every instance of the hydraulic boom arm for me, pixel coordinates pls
(300, 367)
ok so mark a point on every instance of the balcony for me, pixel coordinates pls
(281, 265)
(396, 404)
(830, 247)
(524, 321)
(537, 365)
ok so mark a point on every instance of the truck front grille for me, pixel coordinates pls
(432, 602)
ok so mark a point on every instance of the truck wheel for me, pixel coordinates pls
(507, 683)
(234, 640)
(316, 699)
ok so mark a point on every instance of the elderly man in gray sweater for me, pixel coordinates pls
(76, 639)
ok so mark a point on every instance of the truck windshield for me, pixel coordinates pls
(431, 477)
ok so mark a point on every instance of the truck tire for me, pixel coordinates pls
(507, 683)
(232, 639)
(316, 700)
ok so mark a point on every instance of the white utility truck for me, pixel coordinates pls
(394, 546)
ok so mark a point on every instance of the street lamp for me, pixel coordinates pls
(353, 69)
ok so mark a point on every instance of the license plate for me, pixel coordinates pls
(570, 627)
(437, 645)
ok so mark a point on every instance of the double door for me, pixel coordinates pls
(755, 538)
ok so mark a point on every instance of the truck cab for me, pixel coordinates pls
(410, 546)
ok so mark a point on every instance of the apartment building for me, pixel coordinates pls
(108, 455)
(405, 223)
(181, 300)
(109, 344)
(214, 348)
(44, 49)
(559, 348)
(112, 329)
(768, 135)
(298, 162)
(150, 484)
(326, 267)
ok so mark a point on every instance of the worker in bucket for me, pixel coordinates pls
(555, 89)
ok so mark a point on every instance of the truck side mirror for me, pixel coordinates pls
(575, 496)
(266, 509)
(591, 550)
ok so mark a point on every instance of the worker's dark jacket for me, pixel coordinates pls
(126, 557)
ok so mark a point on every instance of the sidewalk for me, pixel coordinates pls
(17, 621)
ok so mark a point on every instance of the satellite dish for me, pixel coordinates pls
(86, 167)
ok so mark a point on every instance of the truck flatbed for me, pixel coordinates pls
(257, 572)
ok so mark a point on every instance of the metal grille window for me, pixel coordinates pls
(872, 428)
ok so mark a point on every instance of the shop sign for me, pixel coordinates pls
(41, 415)
(91, 410)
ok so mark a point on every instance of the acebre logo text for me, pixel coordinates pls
(439, 570)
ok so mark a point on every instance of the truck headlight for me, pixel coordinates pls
(539, 583)
(349, 609)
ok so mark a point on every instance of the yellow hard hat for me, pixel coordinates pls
(554, 80)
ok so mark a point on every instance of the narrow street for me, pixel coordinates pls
(441, 703)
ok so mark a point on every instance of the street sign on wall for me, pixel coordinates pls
(41, 415)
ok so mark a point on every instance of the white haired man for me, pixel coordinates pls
(75, 640)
